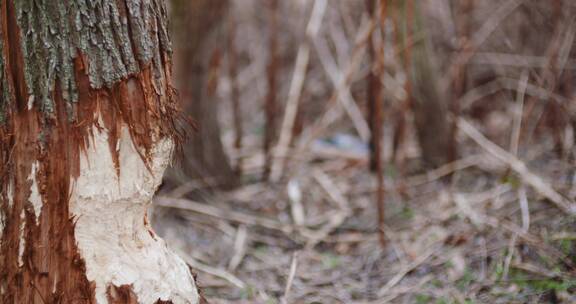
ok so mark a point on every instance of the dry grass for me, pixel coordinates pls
(460, 243)
(501, 230)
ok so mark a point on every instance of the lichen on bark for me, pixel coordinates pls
(117, 39)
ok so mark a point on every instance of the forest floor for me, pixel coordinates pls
(493, 227)
(480, 230)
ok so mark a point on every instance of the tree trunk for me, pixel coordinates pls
(428, 103)
(195, 25)
(87, 126)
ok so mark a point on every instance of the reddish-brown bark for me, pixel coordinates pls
(270, 106)
(377, 10)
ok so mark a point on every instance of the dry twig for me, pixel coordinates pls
(217, 272)
(234, 216)
(517, 165)
(291, 276)
(403, 272)
(298, 77)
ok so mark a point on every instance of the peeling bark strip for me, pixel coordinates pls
(121, 295)
(87, 127)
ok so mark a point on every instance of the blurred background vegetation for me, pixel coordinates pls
(350, 151)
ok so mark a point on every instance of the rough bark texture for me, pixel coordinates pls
(87, 127)
(195, 25)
